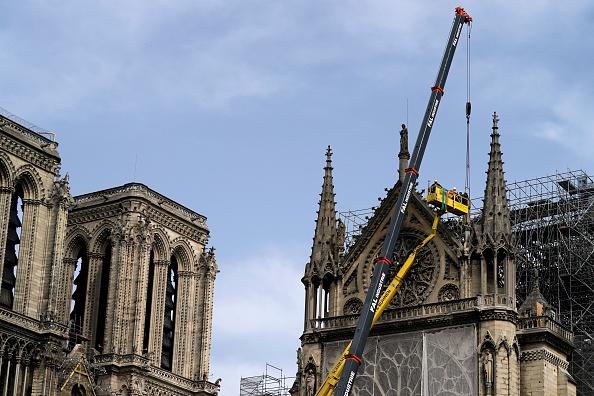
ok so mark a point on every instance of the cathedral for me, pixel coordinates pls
(107, 293)
(455, 326)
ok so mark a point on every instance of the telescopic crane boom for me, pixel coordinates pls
(353, 360)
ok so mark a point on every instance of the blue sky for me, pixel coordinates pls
(228, 107)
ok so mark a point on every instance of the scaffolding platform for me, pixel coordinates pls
(271, 383)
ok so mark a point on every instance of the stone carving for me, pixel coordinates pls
(451, 269)
(422, 277)
(352, 306)
(350, 286)
(44, 162)
(404, 139)
(448, 292)
(488, 368)
(310, 382)
(61, 191)
(340, 232)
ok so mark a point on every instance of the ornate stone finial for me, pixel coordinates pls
(536, 286)
(495, 120)
(61, 189)
(328, 153)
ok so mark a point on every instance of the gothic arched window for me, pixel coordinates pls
(79, 296)
(78, 390)
(149, 303)
(169, 319)
(103, 294)
(9, 269)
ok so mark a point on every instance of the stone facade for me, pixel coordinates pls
(454, 326)
(123, 276)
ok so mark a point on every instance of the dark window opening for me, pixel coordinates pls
(326, 285)
(501, 273)
(11, 254)
(149, 303)
(79, 297)
(316, 290)
(78, 390)
(169, 320)
(103, 294)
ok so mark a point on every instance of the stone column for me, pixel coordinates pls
(25, 377)
(27, 288)
(182, 333)
(158, 309)
(483, 276)
(141, 286)
(92, 299)
(109, 346)
(17, 373)
(204, 299)
(7, 377)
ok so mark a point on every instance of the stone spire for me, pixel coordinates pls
(327, 239)
(322, 273)
(496, 224)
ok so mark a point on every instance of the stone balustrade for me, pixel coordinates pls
(414, 312)
(545, 323)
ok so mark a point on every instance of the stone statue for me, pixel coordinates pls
(341, 232)
(404, 139)
(488, 367)
(310, 381)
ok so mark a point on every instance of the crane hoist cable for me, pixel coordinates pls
(468, 109)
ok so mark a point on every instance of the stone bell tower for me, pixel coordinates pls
(119, 280)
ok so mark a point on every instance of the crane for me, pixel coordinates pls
(341, 377)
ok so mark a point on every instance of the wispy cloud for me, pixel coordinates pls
(259, 295)
(257, 316)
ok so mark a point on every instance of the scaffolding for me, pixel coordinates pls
(265, 384)
(354, 221)
(552, 220)
(32, 127)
